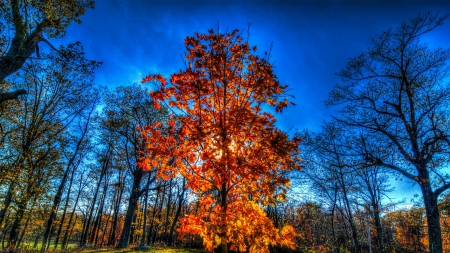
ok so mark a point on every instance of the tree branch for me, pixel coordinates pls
(441, 189)
(11, 95)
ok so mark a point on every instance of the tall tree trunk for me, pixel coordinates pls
(379, 229)
(432, 212)
(132, 207)
(145, 213)
(71, 229)
(36, 240)
(63, 216)
(159, 214)
(105, 165)
(99, 214)
(120, 190)
(177, 214)
(14, 233)
(4, 232)
(23, 232)
(66, 232)
(133, 229)
(113, 210)
(223, 231)
(104, 232)
(7, 202)
(336, 244)
(62, 184)
(150, 231)
(168, 208)
(349, 213)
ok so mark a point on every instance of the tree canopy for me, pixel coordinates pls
(24, 24)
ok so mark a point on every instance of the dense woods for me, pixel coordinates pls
(195, 159)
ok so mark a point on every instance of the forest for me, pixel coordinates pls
(196, 159)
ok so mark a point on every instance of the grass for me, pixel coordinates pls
(113, 250)
(130, 250)
(30, 245)
(73, 247)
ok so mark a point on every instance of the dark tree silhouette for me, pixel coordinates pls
(396, 91)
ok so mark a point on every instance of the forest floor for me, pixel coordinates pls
(133, 250)
(113, 250)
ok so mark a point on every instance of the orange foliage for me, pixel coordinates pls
(226, 147)
(444, 208)
(247, 227)
(409, 227)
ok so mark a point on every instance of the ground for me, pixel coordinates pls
(131, 250)
(112, 250)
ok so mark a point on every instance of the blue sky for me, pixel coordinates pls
(312, 40)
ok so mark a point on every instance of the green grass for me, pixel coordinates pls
(153, 250)
(30, 245)
(113, 250)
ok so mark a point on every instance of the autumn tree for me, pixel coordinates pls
(408, 229)
(226, 146)
(25, 24)
(397, 91)
(313, 227)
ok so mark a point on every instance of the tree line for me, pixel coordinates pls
(90, 166)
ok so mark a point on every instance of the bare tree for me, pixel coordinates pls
(396, 91)
(329, 165)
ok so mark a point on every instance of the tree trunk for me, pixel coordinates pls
(177, 214)
(145, 213)
(23, 232)
(336, 244)
(20, 50)
(5, 232)
(7, 202)
(432, 212)
(14, 233)
(36, 240)
(54, 210)
(104, 232)
(133, 229)
(132, 207)
(102, 173)
(71, 229)
(150, 231)
(168, 208)
(120, 190)
(377, 220)
(99, 215)
(65, 209)
(66, 232)
(223, 232)
(349, 212)
(159, 214)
